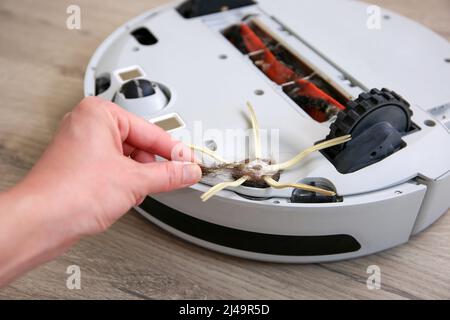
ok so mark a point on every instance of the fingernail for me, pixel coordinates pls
(191, 173)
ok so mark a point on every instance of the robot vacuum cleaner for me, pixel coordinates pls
(322, 134)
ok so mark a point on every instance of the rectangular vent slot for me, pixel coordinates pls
(130, 74)
(169, 122)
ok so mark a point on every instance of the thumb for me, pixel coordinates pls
(166, 176)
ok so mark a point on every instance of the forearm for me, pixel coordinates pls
(29, 232)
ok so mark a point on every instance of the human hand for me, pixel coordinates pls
(101, 163)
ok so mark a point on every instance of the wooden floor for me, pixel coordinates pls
(41, 78)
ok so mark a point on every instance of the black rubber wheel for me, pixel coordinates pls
(367, 110)
(135, 89)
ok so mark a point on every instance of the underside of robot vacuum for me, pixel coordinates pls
(320, 138)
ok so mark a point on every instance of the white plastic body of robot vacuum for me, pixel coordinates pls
(384, 204)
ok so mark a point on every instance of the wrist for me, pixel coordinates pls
(47, 215)
(31, 232)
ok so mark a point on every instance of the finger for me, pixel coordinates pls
(142, 156)
(143, 135)
(166, 176)
(127, 149)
